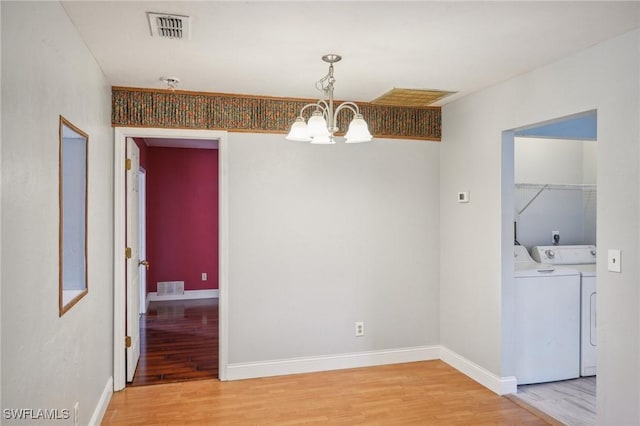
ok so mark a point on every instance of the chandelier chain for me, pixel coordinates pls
(325, 84)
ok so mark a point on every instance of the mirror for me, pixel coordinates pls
(73, 154)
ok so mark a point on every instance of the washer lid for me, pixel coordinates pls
(588, 270)
(537, 270)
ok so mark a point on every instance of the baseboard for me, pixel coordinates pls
(188, 295)
(281, 367)
(103, 403)
(497, 384)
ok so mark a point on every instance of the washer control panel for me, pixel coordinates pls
(565, 255)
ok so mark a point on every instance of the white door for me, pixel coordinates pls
(142, 246)
(133, 258)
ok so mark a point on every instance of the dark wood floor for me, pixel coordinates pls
(178, 342)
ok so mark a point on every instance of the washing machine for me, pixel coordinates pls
(545, 314)
(583, 259)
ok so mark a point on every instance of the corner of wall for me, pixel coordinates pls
(499, 385)
(103, 403)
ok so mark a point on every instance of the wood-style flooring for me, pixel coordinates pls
(178, 342)
(419, 393)
(573, 402)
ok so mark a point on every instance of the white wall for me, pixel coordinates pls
(2, 198)
(572, 212)
(50, 362)
(475, 243)
(324, 236)
(548, 161)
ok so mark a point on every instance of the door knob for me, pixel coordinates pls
(145, 263)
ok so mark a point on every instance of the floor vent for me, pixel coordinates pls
(170, 288)
(169, 26)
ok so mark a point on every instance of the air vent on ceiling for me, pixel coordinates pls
(410, 97)
(169, 26)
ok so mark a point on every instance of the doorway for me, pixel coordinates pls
(549, 184)
(179, 332)
(121, 134)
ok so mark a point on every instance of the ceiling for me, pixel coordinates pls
(179, 143)
(275, 48)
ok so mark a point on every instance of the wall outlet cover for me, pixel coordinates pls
(463, 197)
(614, 260)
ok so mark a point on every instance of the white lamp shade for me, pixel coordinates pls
(358, 130)
(318, 125)
(299, 131)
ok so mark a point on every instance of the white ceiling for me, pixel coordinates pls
(275, 48)
(180, 143)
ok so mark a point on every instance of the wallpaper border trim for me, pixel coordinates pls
(161, 108)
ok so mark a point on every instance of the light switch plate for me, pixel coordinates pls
(613, 260)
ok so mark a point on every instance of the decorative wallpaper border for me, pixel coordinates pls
(135, 107)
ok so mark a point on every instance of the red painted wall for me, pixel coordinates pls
(182, 216)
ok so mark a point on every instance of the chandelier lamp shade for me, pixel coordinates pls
(322, 124)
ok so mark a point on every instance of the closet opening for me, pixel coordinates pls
(549, 257)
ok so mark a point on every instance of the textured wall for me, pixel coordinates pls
(476, 254)
(321, 238)
(52, 362)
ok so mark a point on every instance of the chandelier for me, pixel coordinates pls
(322, 124)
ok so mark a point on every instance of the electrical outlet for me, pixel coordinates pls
(359, 329)
(555, 237)
(204, 276)
(76, 414)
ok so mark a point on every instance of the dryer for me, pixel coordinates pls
(583, 259)
(544, 315)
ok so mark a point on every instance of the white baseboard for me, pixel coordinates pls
(188, 295)
(103, 403)
(250, 370)
(497, 384)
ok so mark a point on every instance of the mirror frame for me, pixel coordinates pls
(64, 306)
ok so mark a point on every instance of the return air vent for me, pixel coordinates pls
(410, 97)
(170, 288)
(169, 26)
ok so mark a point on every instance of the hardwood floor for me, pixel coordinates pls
(178, 342)
(419, 393)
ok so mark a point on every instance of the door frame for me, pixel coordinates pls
(119, 233)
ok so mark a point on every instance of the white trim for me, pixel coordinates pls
(188, 295)
(120, 135)
(119, 278)
(280, 367)
(223, 257)
(103, 403)
(499, 385)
